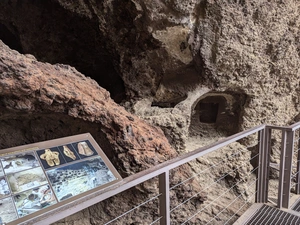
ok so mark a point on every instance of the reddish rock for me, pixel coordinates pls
(32, 86)
(30, 90)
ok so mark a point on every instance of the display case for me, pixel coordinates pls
(38, 178)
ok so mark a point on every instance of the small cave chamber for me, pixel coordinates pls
(217, 114)
(208, 112)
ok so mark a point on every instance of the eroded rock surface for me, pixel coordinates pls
(164, 61)
(154, 54)
(30, 86)
(40, 101)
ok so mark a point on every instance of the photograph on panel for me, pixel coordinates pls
(4, 189)
(19, 162)
(69, 153)
(1, 171)
(51, 157)
(7, 209)
(84, 149)
(26, 179)
(34, 200)
(74, 179)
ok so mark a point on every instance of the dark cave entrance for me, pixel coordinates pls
(53, 34)
(211, 109)
(217, 114)
(208, 112)
(10, 39)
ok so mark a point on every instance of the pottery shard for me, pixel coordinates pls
(84, 149)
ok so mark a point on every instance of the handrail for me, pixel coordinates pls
(278, 127)
(292, 127)
(295, 126)
(286, 161)
(140, 177)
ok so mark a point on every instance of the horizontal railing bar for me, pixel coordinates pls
(138, 178)
(295, 126)
(278, 127)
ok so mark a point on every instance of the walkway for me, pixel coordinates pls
(269, 214)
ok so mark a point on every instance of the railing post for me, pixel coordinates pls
(164, 198)
(287, 150)
(298, 166)
(263, 165)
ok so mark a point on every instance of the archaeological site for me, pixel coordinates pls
(152, 81)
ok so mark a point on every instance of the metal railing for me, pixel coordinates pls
(289, 168)
(219, 173)
(289, 162)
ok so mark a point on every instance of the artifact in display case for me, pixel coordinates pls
(38, 178)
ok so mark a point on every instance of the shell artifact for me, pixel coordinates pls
(69, 153)
(52, 158)
(84, 149)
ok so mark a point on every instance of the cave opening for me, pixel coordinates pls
(212, 109)
(216, 114)
(57, 35)
(10, 39)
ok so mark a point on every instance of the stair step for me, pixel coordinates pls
(296, 206)
(268, 215)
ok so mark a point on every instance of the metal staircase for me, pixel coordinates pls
(285, 210)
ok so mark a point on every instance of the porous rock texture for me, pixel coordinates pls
(31, 86)
(160, 60)
(160, 57)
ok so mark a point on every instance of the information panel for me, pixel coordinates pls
(41, 176)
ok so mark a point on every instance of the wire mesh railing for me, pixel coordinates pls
(228, 182)
(224, 166)
(114, 220)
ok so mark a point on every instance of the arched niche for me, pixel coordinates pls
(217, 114)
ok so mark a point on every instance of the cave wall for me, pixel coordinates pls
(158, 59)
(40, 101)
(157, 53)
(55, 35)
(256, 47)
(248, 47)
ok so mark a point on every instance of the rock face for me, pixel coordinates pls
(30, 86)
(40, 101)
(200, 70)
(172, 55)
